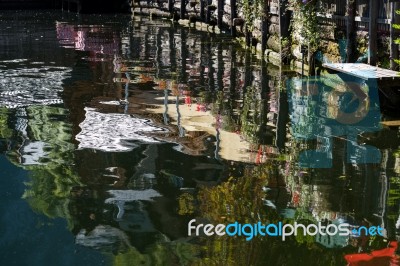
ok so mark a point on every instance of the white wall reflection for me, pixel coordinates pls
(112, 132)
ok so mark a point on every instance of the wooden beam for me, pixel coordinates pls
(363, 71)
(391, 123)
(373, 31)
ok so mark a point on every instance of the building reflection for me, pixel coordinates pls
(201, 95)
(243, 111)
(160, 125)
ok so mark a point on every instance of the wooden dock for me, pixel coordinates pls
(364, 71)
(386, 81)
(395, 123)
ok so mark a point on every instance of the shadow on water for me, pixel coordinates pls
(128, 129)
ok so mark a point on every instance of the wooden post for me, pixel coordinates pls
(184, 56)
(208, 12)
(373, 26)
(351, 5)
(285, 18)
(282, 119)
(221, 69)
(201, 64)
(394, 48)
(170, 6)
(202, 15)
(264, 27)
(248, 35)
(232, 84)
(183, 9)
(172, 50)
(284, 23)
(247, 73)
(263, 133)
(211, 68)
(233, 16)
(264, 83)
(220, 10)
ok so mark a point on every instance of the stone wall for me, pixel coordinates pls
(193, 15)
(273, 28)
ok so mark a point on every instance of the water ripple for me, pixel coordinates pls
(30, 84)
(110, 132)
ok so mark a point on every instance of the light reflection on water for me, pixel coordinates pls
(110, 132)
(130, 129)
(23, 83)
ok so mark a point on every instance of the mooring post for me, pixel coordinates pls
(264, 80)
(350, 28)
(184, 56)
(220, 10)
(264, 28)
(221, 67)
(303, 50)
(233, 16)
(282, 118)
(202, 67)
(183, 9)
(394, 49)
(373, 27)
(211, 68)
(202, 16)
(285, 16)
(208, 13)
(248, 38)
(172, 49)
(247, 73)
(232, 77)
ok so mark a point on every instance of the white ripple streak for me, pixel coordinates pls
(25, 85)
(110, 132)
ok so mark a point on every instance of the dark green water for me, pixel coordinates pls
(115, 133)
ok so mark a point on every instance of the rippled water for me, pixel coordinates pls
(116, 132)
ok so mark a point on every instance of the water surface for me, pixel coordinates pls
(117, 132)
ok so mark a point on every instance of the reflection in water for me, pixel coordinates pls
(111, 132)
(320, 112)
(24, 83)
(139, 126)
